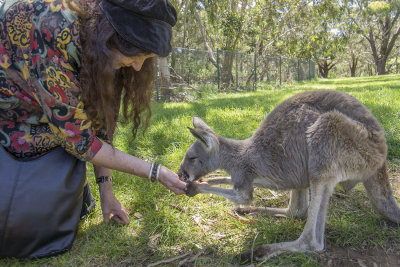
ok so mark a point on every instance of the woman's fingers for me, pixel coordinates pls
(170, 180)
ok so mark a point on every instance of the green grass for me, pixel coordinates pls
(203, 224)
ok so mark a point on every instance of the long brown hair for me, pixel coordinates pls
(104, 88)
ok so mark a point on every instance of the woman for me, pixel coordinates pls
(65, 67)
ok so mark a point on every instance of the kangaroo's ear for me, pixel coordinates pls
(207, 139)
(199, 123)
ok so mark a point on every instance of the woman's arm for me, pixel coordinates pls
(110, 206)
(113, 158)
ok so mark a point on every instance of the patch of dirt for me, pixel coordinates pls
(348, 257)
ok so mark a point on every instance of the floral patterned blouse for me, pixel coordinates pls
(40, 103)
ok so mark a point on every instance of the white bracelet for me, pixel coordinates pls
(158, 172)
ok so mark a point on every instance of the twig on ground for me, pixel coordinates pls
(169, 260)
(182, 262)
(241, 219)
(191, 259)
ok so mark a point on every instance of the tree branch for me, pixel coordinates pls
(203, 35)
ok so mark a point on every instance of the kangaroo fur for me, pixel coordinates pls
(307, 144)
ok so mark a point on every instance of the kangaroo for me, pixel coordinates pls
(307, 144)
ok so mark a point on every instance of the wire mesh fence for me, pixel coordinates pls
(187, 73)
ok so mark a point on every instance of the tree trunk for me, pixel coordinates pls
(353, 65)
(324, 67)
(380, 64)
(226, 70)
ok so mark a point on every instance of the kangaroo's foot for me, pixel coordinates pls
(265, 252)
(312, 238)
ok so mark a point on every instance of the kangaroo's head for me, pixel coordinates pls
(202, 156)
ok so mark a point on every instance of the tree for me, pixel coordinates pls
(226, 23)
(327, 42)
(378, 23)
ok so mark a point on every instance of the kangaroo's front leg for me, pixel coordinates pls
(241, 195)
(297, 208)
(218, 181)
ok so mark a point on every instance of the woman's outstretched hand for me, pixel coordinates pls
(170, 180)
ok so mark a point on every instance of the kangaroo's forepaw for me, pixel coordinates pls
(245, 210)
(191, 189)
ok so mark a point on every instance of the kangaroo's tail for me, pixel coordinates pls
(381, 196)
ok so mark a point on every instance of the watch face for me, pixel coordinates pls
(103, 179)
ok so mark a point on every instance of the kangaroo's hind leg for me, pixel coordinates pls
(380, 194)
(297, 208)
(312, 238)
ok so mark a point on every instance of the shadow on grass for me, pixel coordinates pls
(367, 79)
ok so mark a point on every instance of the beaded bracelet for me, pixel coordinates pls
(154, 172)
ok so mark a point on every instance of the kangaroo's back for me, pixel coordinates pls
(314, 130)
(303, 109)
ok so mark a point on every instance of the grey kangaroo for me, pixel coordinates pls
(307, 144)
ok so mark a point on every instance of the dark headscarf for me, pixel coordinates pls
(146, 24)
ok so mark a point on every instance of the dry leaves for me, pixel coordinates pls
(187, 258)
(154, 241)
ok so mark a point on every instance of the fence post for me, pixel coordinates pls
(255, 72)
(157, 81)
(309, 69)
(237, 71)
(280, 70)
(218, 74)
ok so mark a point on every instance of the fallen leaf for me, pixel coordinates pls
(137, 215)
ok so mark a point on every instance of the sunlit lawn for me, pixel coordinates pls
(164, 225)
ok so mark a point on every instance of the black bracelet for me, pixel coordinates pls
(103, 179)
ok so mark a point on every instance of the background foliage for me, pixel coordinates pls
(344, 37)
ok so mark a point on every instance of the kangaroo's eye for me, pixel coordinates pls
(192, 158)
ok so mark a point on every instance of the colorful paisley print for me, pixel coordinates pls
(40, 98)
